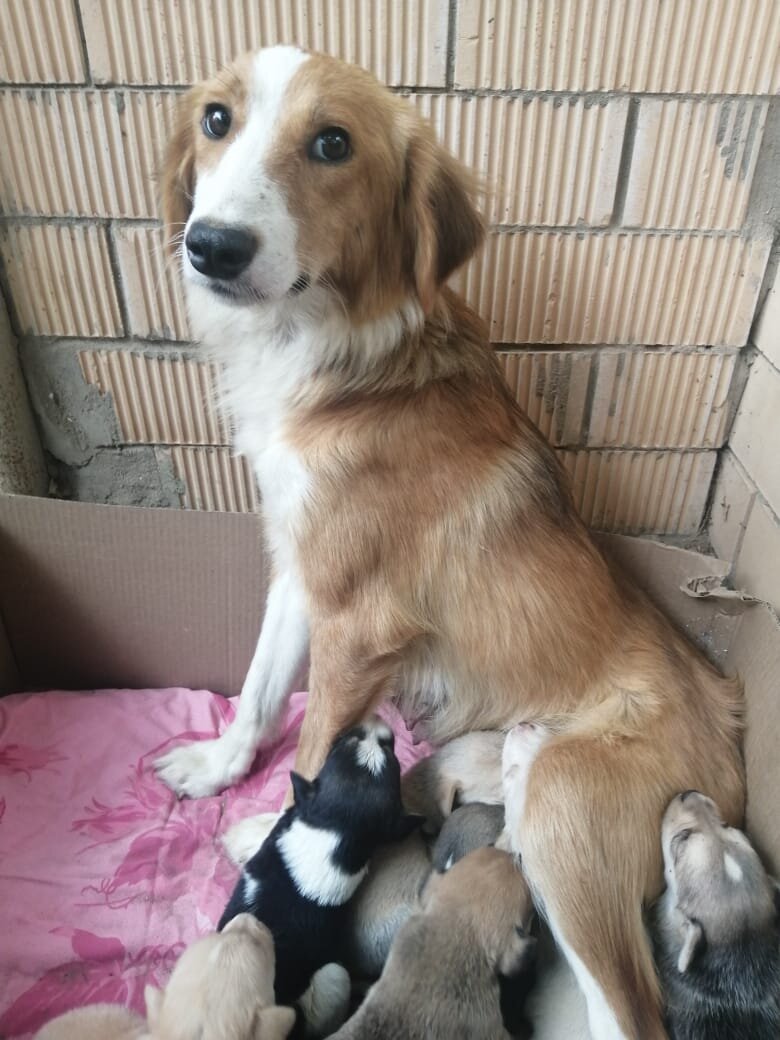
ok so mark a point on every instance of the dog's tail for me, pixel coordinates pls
(590, 847)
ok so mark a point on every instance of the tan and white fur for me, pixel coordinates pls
(424, 541)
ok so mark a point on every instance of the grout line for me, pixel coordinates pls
(37, 220)
(592, 96)
(90, 81)
(452, 29)
(116, 271)
(624, 166)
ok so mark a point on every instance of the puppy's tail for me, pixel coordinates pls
(590, 848)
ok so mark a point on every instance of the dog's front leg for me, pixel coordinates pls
(206, 767)
(349, 677)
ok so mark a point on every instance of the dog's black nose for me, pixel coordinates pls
(219, 252)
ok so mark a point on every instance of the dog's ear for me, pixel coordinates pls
(449, 796)
(302, 788)
(519, 953)
(693, 938)
(444, 228)
(177, 183)
(274, 1023)
(153, 998)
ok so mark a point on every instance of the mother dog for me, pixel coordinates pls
(423, 538)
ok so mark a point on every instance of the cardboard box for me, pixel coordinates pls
(104, 596)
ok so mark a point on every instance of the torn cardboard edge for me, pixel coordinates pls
(99, 596)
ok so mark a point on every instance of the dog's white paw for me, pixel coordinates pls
(325, 1004)
(243, 839)
(201, 769)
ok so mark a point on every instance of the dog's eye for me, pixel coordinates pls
(684, 835)
(216, 121)
(331, 145)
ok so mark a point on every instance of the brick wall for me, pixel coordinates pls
(629, 144)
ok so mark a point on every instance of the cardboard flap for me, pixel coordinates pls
(684, 585)
(755, 657)
(106, 596)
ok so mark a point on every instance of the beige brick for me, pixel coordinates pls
(214, 479)
(767, 333)
(619, 398)
(151, 283)
(758, 564)
(660, 46)
(693, 162)
(158, 400)
(732, 501)
(60, 279)
(40, 42)
(755, 439)
(83, 153)
(165, 41)
(543, 161)
(616, 287)
(660, 399)
(641, 492)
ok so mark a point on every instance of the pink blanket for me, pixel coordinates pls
(104, 876)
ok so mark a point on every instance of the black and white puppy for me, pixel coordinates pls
(301, 879)
(716, 929)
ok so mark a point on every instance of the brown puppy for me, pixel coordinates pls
(441, 981)
(422, 531)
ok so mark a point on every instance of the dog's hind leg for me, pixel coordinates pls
(206, 767)
(590, 846)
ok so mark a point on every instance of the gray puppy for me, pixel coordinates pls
(716, 929)
(470, 827)
(441, 980)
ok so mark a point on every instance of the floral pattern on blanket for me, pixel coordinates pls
(106, 876)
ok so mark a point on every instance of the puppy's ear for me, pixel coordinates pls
(274, 1023)
(519, 953)
(153, 998)
(177, 183)
(443, 225)
(302, 788)
(450, 793)
(693, 938)
(407, 824)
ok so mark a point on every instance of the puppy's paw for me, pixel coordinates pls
(325, 1004)
(201, 769)
(243, 839)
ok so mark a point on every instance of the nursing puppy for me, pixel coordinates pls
(222, 988)
(390, 894)
(301, 879)
(422, 532)
(717, 929)
(441, 981)
(466, 769)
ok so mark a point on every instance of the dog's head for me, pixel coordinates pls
(358, 790)
(486, 895)
(718, 891)
(222, 988)
(291, 173)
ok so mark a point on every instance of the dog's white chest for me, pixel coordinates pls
(258, 386)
